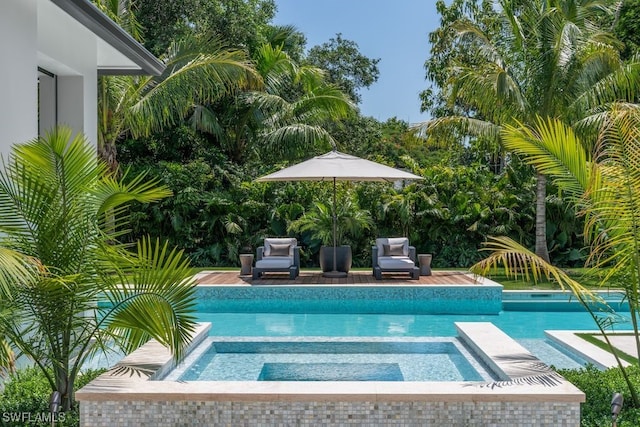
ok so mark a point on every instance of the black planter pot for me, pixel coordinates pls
(343, 258)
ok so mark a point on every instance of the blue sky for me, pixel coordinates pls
(396, 31)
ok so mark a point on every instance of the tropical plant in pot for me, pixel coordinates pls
(318, 222)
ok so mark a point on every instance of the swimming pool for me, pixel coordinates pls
(518, 318)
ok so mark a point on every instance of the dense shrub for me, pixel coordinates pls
(599, 387)
(28, 391)
(219, 211)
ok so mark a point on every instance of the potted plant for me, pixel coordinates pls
(351, 221)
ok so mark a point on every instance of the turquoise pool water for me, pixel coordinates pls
(332, 360)
(517, 324)
(523, 317)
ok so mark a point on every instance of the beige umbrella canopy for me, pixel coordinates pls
(335, 165)
(343, 167)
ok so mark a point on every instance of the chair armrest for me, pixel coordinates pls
(412, 253)
(374, 256)
(259, 253)
(296, 256)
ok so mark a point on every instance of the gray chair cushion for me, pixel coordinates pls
(380, 242)
(395, 262)
(393, 249)
(270, 241)
(275, 262)
(280, 249)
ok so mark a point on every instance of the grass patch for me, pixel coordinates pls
(582, 275)
(592, 339)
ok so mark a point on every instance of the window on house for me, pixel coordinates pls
(47, 101)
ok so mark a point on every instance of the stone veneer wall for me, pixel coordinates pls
(319, 414)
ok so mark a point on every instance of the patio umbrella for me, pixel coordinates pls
(343, 167)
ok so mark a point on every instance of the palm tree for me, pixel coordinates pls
(73, 290)
(604, 185)
(285, 118)
(549, 58)
(197, 71)
(318, 222)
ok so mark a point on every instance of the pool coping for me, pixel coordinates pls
(599, 357)
(523, 378)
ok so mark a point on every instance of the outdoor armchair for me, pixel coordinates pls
(278, 255)
(394, 255)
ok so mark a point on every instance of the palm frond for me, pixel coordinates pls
(554, 150)
(469, 126)
(157, 302)
(517, 261)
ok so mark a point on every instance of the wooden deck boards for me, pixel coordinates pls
(354, 278)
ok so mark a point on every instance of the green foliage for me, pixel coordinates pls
(627, 28)
(599, 387)
(241, 23)
(602, 182)
(63, 210)
(498, 63)
(346, 67)
(27, 391)
(317, 222)
(219, 211)
(210, 159)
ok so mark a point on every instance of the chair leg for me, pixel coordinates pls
(256, 274)
(415, 273)
(377, 273)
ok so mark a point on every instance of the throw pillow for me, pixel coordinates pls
(393, 250)
(279, 249)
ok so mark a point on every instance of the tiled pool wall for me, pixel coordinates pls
(432, 299)
(126, 396)
(320, 414)
(559, 301)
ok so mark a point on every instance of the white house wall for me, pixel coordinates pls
(36, 33)
(18, 72)
(72, 40)
(69, 50)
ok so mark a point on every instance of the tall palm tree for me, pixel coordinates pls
(603, 184)
(73, 290)
(296, 104)
(549, 58)
(285, 118)
(197, 71)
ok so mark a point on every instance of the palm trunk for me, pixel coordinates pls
(108, 152)
(541, 218)
(64, 384)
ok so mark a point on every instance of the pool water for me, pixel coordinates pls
(517, 324)
(330, 359)
(526, 327)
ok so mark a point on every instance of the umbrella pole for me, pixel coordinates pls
(334, 273)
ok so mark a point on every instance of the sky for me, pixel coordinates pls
(396, 31)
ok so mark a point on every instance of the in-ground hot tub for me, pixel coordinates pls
(330, 359)
(527, 393)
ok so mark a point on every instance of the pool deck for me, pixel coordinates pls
(314, 277)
